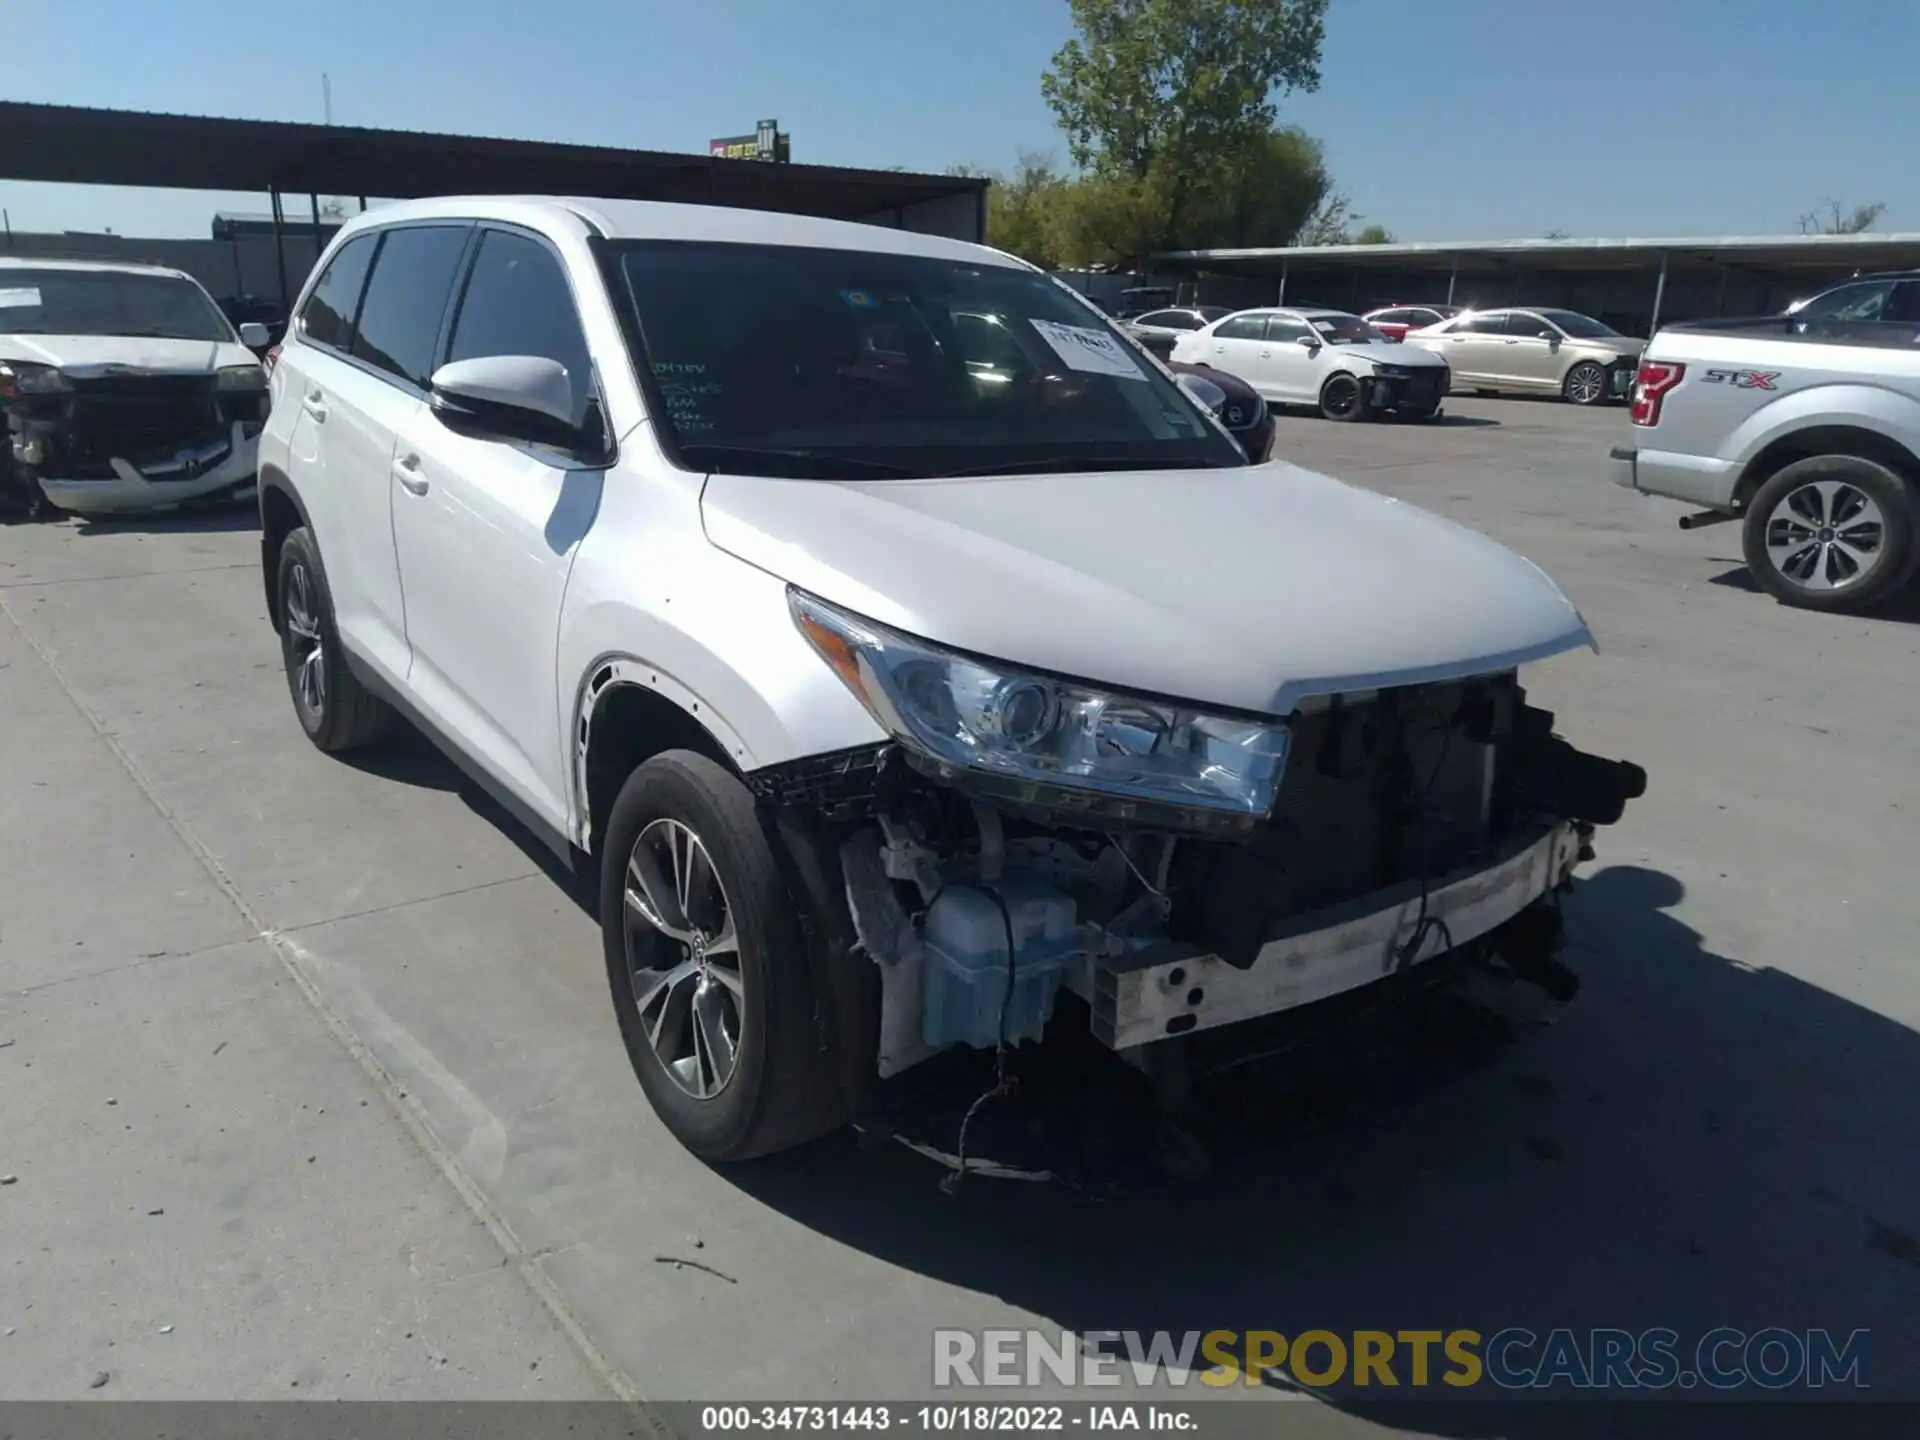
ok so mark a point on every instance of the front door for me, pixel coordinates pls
(1532, 354)
(487, 531)
(1292, 366)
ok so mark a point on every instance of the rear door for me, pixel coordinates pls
(1470, 347)
(486, 530)
(1235, 346)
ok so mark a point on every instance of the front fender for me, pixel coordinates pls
(714, 636)
(1863, 405)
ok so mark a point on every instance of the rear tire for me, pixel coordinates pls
(1344, 398)
(335, 709)
(719, 1019)
(1832, 532)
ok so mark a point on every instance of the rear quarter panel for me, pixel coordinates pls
(1741, 395)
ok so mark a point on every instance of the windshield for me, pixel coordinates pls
(1579, 327)
(107, 302)
(1344, 329)
(794, 361)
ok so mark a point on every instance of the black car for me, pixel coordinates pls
(1240, 408)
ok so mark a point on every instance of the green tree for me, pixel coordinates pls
(1375, 234)
(1166, 102)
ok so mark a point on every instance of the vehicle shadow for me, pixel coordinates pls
(411, 758)
(1903, 606)
(1697, 1143)
(241, 516)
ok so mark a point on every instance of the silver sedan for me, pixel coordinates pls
(1556, 352)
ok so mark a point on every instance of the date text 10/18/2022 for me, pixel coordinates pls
(936, 1419)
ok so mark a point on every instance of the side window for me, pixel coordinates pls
(517, 302)
(1395, 317)
(1286, 332)
(1849, 302)
(1530, 327)
(327, 317)
(1904, 307)
(1484, 325)
(406, 298)
(1242, 327)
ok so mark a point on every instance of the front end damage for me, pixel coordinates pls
(126, 442)
(1409, 824)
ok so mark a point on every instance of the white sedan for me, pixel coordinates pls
(1325, 358)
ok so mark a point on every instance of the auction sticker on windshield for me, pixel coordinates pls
(17, 296)
(1093, 351)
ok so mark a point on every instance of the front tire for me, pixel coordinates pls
(707, 962)
(335, 709)
(1586, 383)
(1832, 533)
(1344, 398)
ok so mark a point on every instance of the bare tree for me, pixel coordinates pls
(1835, 221)
(1327, 225)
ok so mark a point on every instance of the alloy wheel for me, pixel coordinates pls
(1825, 535)
(1341, 397)
(683, 957)
(1585, 384)
(306, 648)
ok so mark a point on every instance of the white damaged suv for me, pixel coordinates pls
(914, 661)
(124, 387)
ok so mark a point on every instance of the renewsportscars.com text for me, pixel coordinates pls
(1513, 1358)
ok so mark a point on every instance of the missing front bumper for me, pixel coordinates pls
(1168, 990)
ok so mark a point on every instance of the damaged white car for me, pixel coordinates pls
(124, 388)
(916, 663)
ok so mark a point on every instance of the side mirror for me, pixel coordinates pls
(507, 397)
(1312, 342)
(254, 335)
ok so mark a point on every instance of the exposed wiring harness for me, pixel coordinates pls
(1426, 923)
(1003, 1077)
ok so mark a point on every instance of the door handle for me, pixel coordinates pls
(407, 471)
(314, 404)
(1266, 354)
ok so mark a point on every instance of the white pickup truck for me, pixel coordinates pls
(1806, 431)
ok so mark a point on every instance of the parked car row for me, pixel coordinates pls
(1349, 368)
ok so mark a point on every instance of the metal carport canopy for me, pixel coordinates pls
(1780, 252)
(72, 145)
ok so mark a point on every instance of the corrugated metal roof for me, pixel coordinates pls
(74, 145)
(1814, 251)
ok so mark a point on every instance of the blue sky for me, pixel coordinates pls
(1444, 119)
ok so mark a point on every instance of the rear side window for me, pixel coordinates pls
(1242, 327)
(1393, 317)
(518, 302)
(406, 298)
(1484, 325)
(1172, 320)
(327, 318)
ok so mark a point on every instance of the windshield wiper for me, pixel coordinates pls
(812, 464)
(1075, 464)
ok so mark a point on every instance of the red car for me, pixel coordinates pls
(1394, 321)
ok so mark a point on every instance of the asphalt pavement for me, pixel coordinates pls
(310, 1087)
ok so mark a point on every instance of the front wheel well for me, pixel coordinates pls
(624, 726)
(279, 518)
(1824, 440)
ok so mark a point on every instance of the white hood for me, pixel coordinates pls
(1245, 587)
(84, 354)
(1386, 352)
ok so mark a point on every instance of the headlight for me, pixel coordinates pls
(18, 377)
(240, 377)
(1051, 742)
